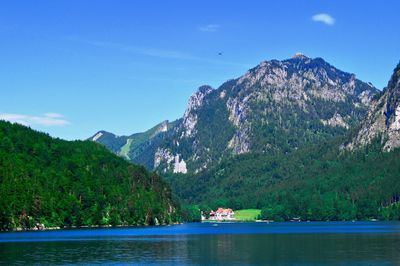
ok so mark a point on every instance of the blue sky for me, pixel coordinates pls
(71, 68)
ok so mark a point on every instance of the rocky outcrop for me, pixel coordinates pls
(97, 136)
(165, 159)
(335, 121)
(163, 156)
(190, 116)
(383, 119)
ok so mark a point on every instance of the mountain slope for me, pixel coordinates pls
(60, 183)
(137, 148)
(383, 119)
(315, 183)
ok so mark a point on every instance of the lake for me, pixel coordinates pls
(297, 243)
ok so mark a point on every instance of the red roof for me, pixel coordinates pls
(224, 211)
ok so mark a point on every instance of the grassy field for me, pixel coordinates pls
(247, 214)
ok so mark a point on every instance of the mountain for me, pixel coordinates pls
(321, 181)
(273, 140)
(138, 148)
(383, 119)
(61, 183)
(276, 107)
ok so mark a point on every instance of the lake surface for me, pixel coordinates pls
(305, 243)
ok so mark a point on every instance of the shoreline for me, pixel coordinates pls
(20, 229)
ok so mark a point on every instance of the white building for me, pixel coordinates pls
(179, 166)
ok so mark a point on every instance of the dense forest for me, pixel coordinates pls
(59, 183)
(316, 183)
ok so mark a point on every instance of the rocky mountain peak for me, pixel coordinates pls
(299, 55)
(297, 83)
(204, 89)
(102, 134)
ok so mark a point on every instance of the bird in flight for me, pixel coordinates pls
(220, 53)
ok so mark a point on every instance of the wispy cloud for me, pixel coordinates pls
(48, 119)
(324, 18)
(209, 28)
(153, 52)
(142, 50)
(148, 51)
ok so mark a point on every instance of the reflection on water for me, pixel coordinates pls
(300, 244)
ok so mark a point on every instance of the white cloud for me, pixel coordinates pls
(324, 18)
(48, 119)
(209, 28)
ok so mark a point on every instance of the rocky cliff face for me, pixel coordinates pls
(383, 119)
(190, 116)
(276, 107)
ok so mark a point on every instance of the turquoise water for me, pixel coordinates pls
(312, 243)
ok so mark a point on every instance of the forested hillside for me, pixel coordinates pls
(61, 183)
(317, 183)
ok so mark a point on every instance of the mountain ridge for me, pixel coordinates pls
(129, 147)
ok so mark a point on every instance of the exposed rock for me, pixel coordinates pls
(162, 155)
(166, 158)
(97, 136)
(383, 119)
(163, 127)
(335, 121)
(190, 116)
(299, 55)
